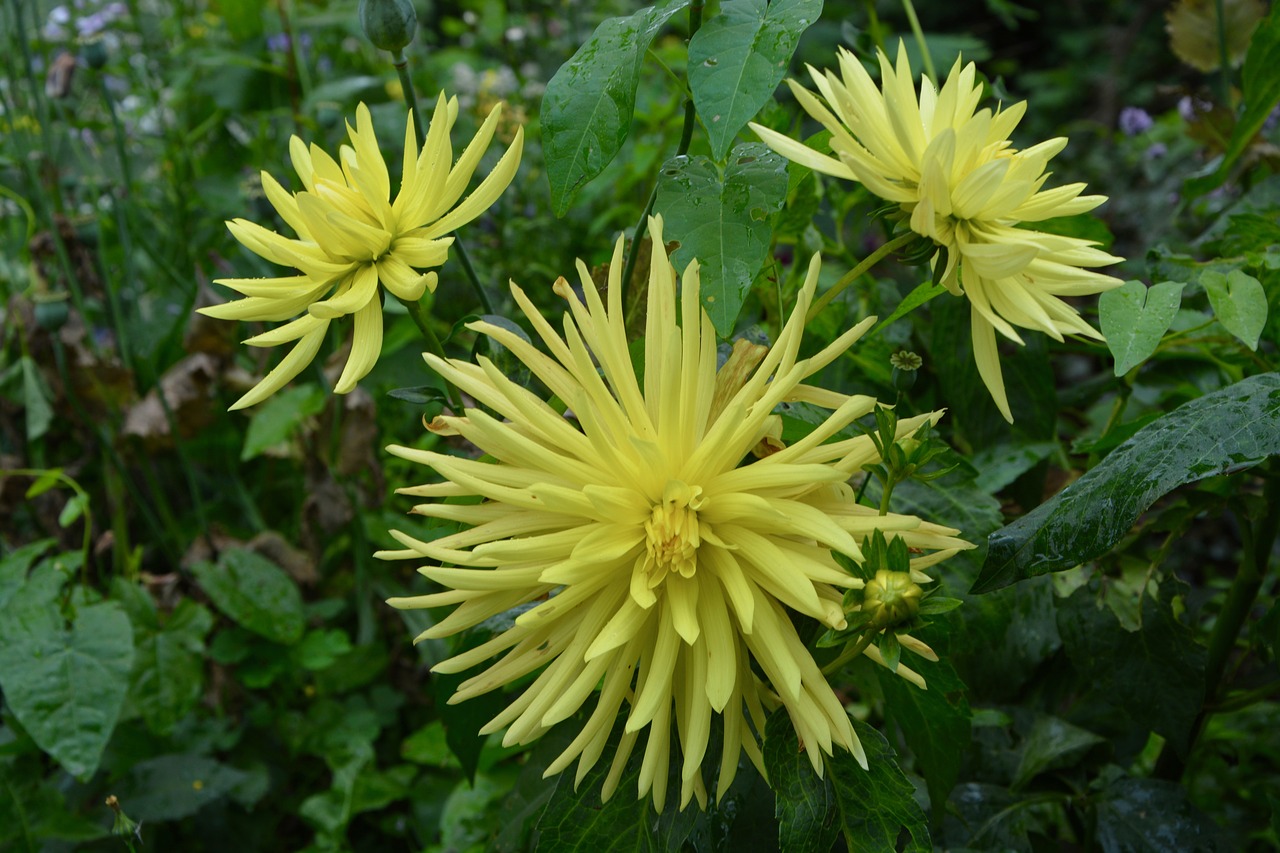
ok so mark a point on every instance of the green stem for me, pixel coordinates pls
(401, 63)
(686, 138)
(850, 653)
(1224, 70)
(1259, 539)
(122, 225)
(886, 494)
(854, 274)
(436, 348)
(923, 45)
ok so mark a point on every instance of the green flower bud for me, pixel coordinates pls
(389, 24)
(94, 52)
(890, 598)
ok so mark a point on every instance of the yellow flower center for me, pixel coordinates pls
(672, 529)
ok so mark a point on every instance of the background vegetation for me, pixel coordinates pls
(191, 621)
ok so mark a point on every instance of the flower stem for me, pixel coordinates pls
(850, 653)
(434, 345)
(686, 137)
(852, 275)
(401, 63)
(1259, 539)
(924, 46)
(1224, 58)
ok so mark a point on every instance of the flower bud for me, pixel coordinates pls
(890, 598)
(94, 51)
(389, 24)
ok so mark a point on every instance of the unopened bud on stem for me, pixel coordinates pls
(389, 24)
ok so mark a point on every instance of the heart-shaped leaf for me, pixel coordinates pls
(1239, 302)
(1134, 318)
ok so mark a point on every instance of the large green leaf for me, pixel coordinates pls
(168, 670)
(1153, 816)
(588, 105)
(1224, 431)
(739, 57)
(1261, 84)
(172, 787)
(1156, 674)
(14, 567)
(579, 821)
(1052, 743)
(723, 223)
(934, 722)
(871, 808)
(65, 683)
(1134, 318)
(255, 592)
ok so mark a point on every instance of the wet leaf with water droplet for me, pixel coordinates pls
(1227, 430)
(739, 57)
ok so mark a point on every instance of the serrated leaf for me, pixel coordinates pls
(1134, 318)
(1156, 673)
(254, 592)
(724, 224)
(589, 102)
(1227, 430)
(871, 807)
(935, 722)
(738, 58)
(1239, 302)
(279, 418)
(578, 822)
(65, 683)
(1153, 816)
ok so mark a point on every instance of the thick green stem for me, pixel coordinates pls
(1224, 70)
(436, 348)
(854, 274)
(922, 44)
(1259, 539)
(686, 138)
(401, 64)
(850, 653)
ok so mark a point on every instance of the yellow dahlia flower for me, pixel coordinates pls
(953, 171)
(650, 559)
(353, 236)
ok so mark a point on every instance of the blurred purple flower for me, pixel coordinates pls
(1134, 120)
(1155, 151)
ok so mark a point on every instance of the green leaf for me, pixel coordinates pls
(320, 649)
(1239, 302)
(578, 822)
(14, 568)
(935, 722)
(1051, 743)
(1134, 319)
(723, 224)
(588, 105)
(279, 418)
(876, 805)
(1261, 84)
(1000, 464)
(35, 400)
(65, 683)
(806, 805)
(920, 295)
(255, 592)
(1227, 430)
(1156, 674)
(173, 787)
(168, 670)
(1153, 816)
(738, 58)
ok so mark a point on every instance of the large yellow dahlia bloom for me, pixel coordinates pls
(351, 236)
(953, 171)
(651, 557)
